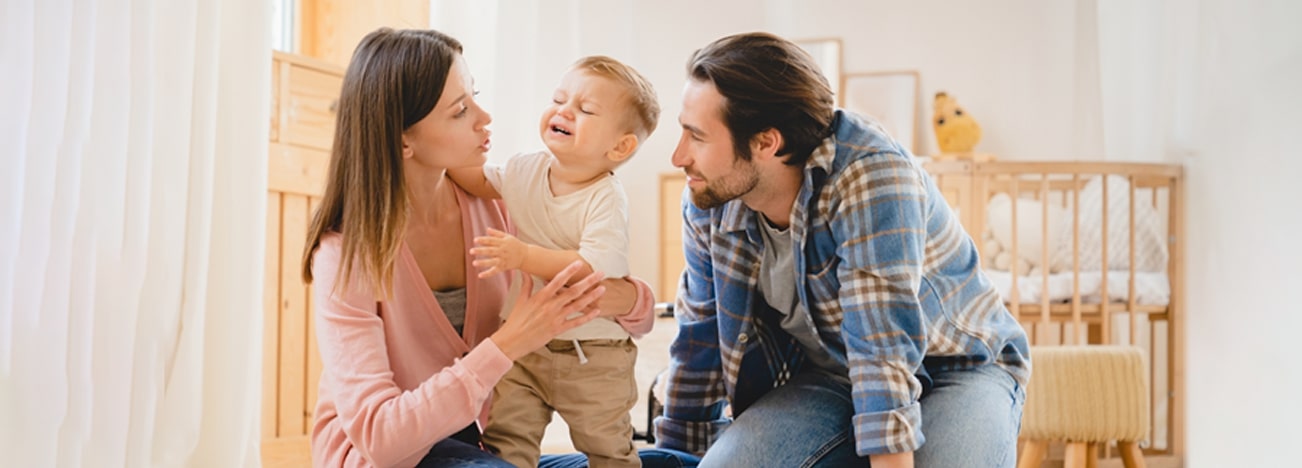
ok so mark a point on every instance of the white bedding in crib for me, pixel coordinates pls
(1149, 236)
(1150, 288)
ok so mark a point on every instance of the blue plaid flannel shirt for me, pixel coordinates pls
(889, 277)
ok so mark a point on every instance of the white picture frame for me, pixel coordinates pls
(827, 54)
(891, 97)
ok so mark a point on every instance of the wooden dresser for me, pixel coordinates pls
(304, 95)
(671, 234)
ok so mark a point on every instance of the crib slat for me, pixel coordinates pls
(975, 204)
(1152, 378)
(1013, 294)
(1131, 292)
(1075, 260)
(1044, 247)
(1103, 285)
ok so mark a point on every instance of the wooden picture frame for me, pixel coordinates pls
(891, 97)
(827, 53)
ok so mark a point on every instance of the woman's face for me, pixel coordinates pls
(454, 134)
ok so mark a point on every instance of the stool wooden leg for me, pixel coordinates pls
(1076, 456)
(1092, 455)
(1033, 454)
(1131, 455)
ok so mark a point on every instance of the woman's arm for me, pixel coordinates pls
(474, 181)
(383, 423)
(629, 301)
(387, 425)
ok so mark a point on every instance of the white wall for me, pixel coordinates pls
(1212, 84)
(1244, 375)
(1011, 63)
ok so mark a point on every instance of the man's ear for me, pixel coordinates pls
(624, 148)
(766, 144)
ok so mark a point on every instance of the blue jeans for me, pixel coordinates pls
(453, 453)
(651, 458)
(969, 418)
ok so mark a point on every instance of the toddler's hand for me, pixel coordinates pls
(498, 252)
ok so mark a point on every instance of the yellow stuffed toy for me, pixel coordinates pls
(956, 131)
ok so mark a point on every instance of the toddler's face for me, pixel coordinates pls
(586, 118)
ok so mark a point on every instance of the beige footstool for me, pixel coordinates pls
(1085, 396)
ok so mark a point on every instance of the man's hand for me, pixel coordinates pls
(892, 460)
(498, 252)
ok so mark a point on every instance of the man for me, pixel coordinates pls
(831, 298)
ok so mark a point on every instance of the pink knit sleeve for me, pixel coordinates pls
(638, 322)
(384, 424)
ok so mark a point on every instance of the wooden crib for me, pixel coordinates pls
(1087, 253)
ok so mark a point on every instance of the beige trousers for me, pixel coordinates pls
(593, 398)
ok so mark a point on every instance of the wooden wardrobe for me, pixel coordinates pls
(305, 94)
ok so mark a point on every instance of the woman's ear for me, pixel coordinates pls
(624, 148)
(407, 151)
(766, 144)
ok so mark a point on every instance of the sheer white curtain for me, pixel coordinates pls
(131, 208)
(1147, 75)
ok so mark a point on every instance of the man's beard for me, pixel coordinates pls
(727, 188)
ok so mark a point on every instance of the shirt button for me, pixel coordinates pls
(742, 338)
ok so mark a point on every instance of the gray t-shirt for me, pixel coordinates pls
(453, 303)
(777, 282)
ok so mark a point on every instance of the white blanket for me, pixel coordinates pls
(1150, 246)
(1150, 288)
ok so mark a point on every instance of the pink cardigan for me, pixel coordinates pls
(396, 376)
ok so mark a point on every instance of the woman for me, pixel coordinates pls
(410, 338)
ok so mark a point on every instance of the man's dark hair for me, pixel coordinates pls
(767, 82)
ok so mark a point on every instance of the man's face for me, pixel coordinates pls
(715, 173)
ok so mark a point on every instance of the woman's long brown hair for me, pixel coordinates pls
(393, 81)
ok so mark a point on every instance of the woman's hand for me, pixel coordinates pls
(538, 317)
